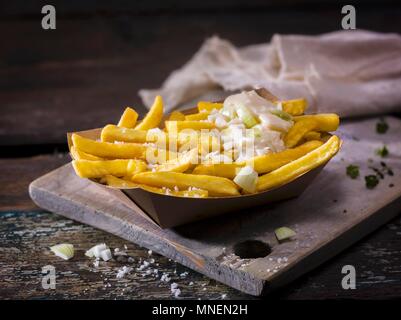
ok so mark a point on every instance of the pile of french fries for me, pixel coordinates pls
(164, 154)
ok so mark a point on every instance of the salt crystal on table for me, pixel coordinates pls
(177, 293)
(106, 255)
(165, 277)
(96, 262)
(123, 271)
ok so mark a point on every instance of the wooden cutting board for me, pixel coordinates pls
(334, 212)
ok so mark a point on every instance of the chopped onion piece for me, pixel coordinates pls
(96, 250)
(106, 255)
(282, 114)
(284, 233)
(246, 116)
(274, 122)
(229, 112)
(63, 250)
(247, 178)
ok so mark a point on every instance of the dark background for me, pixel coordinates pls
(85, 72)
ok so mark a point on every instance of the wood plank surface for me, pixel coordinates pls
(18, 173)
(26, 238)
(333, 213)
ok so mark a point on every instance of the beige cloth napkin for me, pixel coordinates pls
(348, 72)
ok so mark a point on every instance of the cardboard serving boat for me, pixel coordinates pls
(170, 211)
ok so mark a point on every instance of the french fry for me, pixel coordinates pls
(299, 166)
(295, 107)
(97, 169)
(159, 156)
(298, 130)
(208, 143)
(177, 126)
(80, 155)
(183, 162)
(304, 124)
(111, 133)
(325, 121)
(164, 160)
(271, 161)
(312, 135)
(128, 118)
(176, 116)
(119, 183)
(226, 170)
(109, 150)
(193, 193)
(209, 106)
(216, 186)
(153, 117)
(197, 116)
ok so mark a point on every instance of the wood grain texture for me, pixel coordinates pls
(18, 173)
(26, 238)
(334, 213)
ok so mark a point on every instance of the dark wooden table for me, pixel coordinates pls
(81, 76)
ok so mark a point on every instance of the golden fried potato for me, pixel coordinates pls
(177, 126)
(77, 154)
(126, 184)
(209, 106)
(128, 118)
(226, 170)
(295, 107)
(299, 166)
(119, 183)
(109, 150)
(312, 135)
(183, 162)
(99, 168)
(112, 133)
(327, 122)
(153, 117)
(176, 116)
(216, 186)
(197, 116)
(304, 124)
(271, 161)
(297, 132)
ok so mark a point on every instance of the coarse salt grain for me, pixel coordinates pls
(123, 271)
(165, 277)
